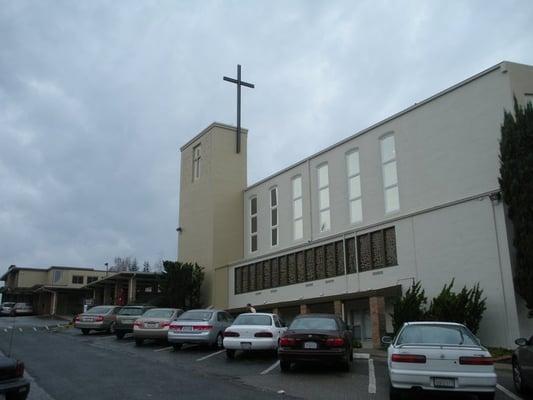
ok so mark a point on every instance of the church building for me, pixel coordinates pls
(347, 230)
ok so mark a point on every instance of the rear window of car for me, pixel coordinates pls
(196, 315)
(323, 324)
(158, 313)
(99, 310)
(131, 311)
(437, 335)
(253, 320)
(8, 304)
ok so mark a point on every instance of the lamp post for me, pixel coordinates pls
(106, 268)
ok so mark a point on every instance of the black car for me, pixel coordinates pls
(316, 338)
(12, 382)
(523, 365)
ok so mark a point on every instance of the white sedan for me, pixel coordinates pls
(439, 356)
(253, 331)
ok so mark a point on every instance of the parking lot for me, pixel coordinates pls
(67, 364)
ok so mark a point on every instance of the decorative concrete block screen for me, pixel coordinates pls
(374, 250)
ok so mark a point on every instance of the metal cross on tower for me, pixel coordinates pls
(239, 83)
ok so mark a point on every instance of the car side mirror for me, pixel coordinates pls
(521, 342)
(386, 340)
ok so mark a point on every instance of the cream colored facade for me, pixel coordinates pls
(210, 229)
(450, 221)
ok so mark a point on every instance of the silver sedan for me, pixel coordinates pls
(154, 324)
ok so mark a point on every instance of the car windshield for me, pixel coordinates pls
(249, 319)
(196, 316)
(437, 335)
(323, 324)
(158, 313)
(8, 304)
(99, 310)
(131, 311)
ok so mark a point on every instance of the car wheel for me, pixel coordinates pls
(346, 366)
(16, 396)
(177, 346)
(111, 328)
(219, 343)
(139, 342)
(85, 331)
(230, 354)
(120, 335)
(285, 366)
(394, 394)
(486, 396)
(517, 377)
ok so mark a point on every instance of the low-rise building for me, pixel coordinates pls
(55, 290)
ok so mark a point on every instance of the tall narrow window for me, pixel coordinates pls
(354, 186)
(196, 162)
(390, 176)
(274, 216)
(253, 224)
(297, 208)
(323, 198)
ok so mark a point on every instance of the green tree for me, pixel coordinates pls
(180, 285)
(516, 183)
(409, 307)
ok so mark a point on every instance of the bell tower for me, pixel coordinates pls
(211, 206)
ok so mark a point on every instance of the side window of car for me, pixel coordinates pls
(229, 318)
(277, 322)
(220, 317)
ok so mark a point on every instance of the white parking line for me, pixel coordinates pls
(364, 356)
(371, 377)
(266, 371)
(508, 393)
(163, 349)
(210, 355)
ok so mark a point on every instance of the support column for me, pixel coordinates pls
(337, 306)
(377, 319)
(53, 306)
(116, 290)
(303, 309)
(275, 310)
(132, 290)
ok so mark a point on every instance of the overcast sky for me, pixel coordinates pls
(97, 97)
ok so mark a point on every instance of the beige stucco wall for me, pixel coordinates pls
(211, 207)
(29, 278)
(66, 277)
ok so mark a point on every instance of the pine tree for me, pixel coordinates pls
(516, 182)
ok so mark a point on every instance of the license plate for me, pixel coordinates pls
(444, 382)
(246, 345)
(151, 325)
(86, 319)
(310, 345)
(187, 328)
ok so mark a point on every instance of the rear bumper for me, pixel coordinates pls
(464, 381)
(97, 326)
(256, 344)
(332, 355)
(180, 338)
(158, 334)
(20, 385)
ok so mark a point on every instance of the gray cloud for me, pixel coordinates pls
(97, 97)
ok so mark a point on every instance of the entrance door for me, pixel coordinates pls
(362, 328)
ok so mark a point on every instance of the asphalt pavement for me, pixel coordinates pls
(68, 365)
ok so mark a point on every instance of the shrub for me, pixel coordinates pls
(409, 307)
(466, 307)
